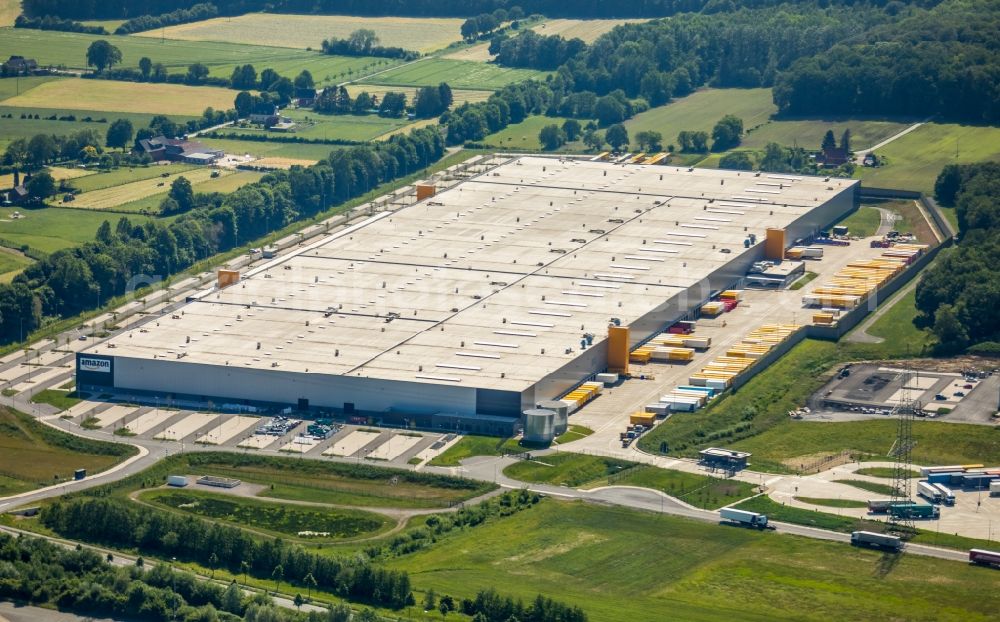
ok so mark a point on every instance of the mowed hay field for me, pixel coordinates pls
(11, 263)
(586, 29)
(701, 110)
(110, 96)
(9, 10)
(58, 173)
(302, 31)
(914, 161)
(808, 133)
(115, 196)
(458, 74)
(619, 564)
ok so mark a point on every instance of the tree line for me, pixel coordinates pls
(364, 42)
(73, 280)
(114, 9)
(82, 581)
(959, 293)
(124, 524)
(49, 22)
(943, 62)
(198, 12)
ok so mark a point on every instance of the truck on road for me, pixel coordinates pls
(982, 557)
(876, 540)
(914, 510)
(748, 519)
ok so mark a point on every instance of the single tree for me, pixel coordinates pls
(304, 84)
(736, 161)
(551, 137)
(829, 142)
(572, 129)
(727, 133)
(277, 574)
(244, 570)
(616, 136)
(182, 192)
(845, 140)
(41, 186)
(196, 74)
(299, 601)
(362, 40)
(213, 559)
(593, 139)
(102, 55)
(110, 556)
(119, 134)
(310, 582)
(139, 562)
(393, 105)
(444, 92)
(145, 67)
(430, 600)
(649, 140)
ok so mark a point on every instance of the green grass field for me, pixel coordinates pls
(863, 484)
(33, 455)
(701, 110)
(62, 400)
(567, 469)
(70, 49)
(16, 127)
(887, 472)
(302, 31)
(863, 222)
(333, 483)
(914, 161)
(808, 133)
(468, 446)
(11, 263)
(52, 228)
(700, 491)
(896, 325)
(458, 74)
(278, 518)
(573, 433)
(833, 503)
(624, 565)
(120, 176)
(524, 135)
(332, 127)
(265, 149)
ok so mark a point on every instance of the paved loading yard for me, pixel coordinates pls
(872, 387)
(608, 414)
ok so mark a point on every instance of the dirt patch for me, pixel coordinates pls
(954, 365)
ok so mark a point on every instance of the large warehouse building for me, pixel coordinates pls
(470, 306)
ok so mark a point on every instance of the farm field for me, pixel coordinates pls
(10, 87)
(148, 193)
(458, 74)
(58, 173)
(16, 127)
(280, 519)
(11, 263)
(460, 96)
(702, 109)
(109, 97)
(586, 29)
(32, 453)
(600, 558)
(9, 10)
(70, 50)
(333, 127)
(914, 161)
(52, 228)
(117, 177)
(111, 25)
(268, 149)
(809, 134)
(301, 31)
(524, 135)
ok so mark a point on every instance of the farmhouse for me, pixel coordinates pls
(473, 304)
(19, 66)
(178, 150)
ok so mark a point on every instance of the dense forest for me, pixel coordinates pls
(959, 294)
(942, 62)
(118, 9)
(73, 280)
